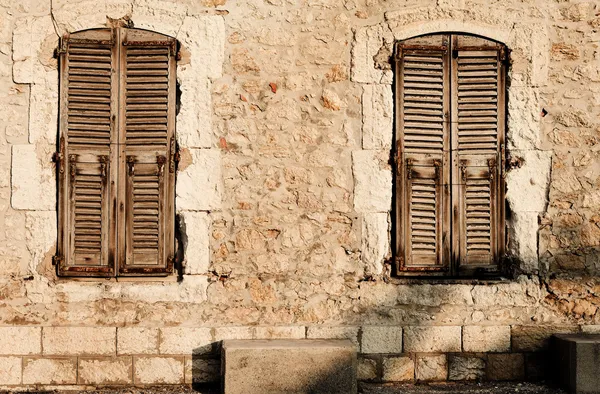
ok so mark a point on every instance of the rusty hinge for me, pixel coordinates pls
(492, 168)
(409, 164)
(399, 52)
(62, 46)
(170, 262)
(103, 164)
(160, 161)
(503, 54)
(131, 165)
(175, 156)
(463, 169)
(57, 259)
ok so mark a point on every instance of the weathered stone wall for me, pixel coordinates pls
(284, 194)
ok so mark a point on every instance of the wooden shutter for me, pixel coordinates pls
(86, 176)
(147, 168)
(478, 122)
(422, 201)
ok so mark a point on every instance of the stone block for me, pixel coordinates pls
(324, 332)
(377, 114)
(432, 339)
(372, 181)
(431, 367)
(261, 366)
(576, 362)
(196, 244)
(505, 366)
(185, 340)
(534, 338)
(205, 170)
(280, 332)
(137, 340)
(224, 333)
(366, 369)
(381, 339)
(53, 370)
(486, 338)
(367, 43)
(158, 370)
(398, 369)
(79, 341)
(33, 184)
(375, 242)
(105, 371)
(202, 370)
(466, 367)
(20, 340)
(10, 370)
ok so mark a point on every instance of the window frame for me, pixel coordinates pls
(117, 167)
(450, 246)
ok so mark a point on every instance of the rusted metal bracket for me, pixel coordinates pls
(62, 46)
(175, 155)
(492, 168)
(160, 161)
(131, 165)
(409, 164)
(57, 260)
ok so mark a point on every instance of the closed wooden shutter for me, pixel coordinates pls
(117, 153)
(147, 144)
(88, 85)
(422, 202)
(450, 122)
(478, 122)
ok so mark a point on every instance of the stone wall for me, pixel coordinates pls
(284, 194)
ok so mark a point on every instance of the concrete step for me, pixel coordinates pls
(292, 366)
(576, 362)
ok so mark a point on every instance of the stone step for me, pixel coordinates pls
(576, 362)
(291, 366)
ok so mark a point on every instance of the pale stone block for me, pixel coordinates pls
(202, 370)
(466, 368)
(280, 332)
(523, 239)
(367, 43)
(527, 186)
(381, 339)
(486, 338)
(324, 332)
(196, 243)
(185, 340)
(40, 236)
(190, 289)
(429, 368)
(199, 186)
(505, 366)
(377, 116)
(432, 339)
(137, 340)
(43, 109)
(104, 371)
(591, 329)
(372, 181)
(79, 340)
(194, 120)
(32, 48)
(366, 369)
(157, 15)
(523, 120)
(224, 333)
(398, 369)
(158, 370)
(20, 340)
(33, 182)
(534, 338)
(204, 37)
(10, 370)
(50, 370)
(375, 242)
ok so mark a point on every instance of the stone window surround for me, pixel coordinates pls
(526, 186)
(202, 35)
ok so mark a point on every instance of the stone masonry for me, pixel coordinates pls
(284, 195)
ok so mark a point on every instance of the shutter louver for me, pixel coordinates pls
(478, 149)
(422, 147)
(148, 142)
(87, 86)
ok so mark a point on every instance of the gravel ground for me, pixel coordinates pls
(439, 388)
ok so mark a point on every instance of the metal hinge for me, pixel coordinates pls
(175, 156)
(57, 259)
(62, 46)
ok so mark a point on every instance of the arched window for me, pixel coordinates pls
(116, 166)
(450, 128)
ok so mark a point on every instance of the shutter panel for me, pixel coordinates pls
(478, 151)
(422, 201)
(86, 231)
(147, 152)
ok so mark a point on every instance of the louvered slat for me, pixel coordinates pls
(422, 82)
(477, 95)
(89, 89)
(147, 94)
(88, 210)
(145, 211)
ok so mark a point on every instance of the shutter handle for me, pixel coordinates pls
(161, 160)
(438, 164)
(131, 165)
(72, 167)
(409, 163)
(103, 160)
(463, 169)
(492, 168)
